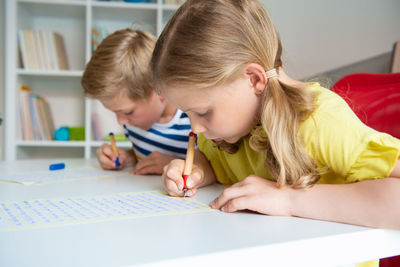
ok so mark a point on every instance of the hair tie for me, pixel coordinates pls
(271, 73)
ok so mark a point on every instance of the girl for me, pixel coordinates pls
(286, 147)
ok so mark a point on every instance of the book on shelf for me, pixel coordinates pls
(42, 50)
(61, 51)
(36, 119)
(98, 34)
(25, 117)
(37, 135)
(96, 127)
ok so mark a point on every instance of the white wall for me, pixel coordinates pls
(317, 35)
(2, 39)
(321, 35)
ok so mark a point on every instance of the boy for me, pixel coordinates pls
(119, 77)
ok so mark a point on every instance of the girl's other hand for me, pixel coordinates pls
(172, 178)
(257, 194)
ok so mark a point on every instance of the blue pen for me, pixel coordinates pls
(115, 150)
(56, 166)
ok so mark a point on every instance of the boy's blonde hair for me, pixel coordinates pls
(120, 64)
(208, 43)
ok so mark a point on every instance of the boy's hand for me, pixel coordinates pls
(152, 164)
(172, 178)
(106, 157)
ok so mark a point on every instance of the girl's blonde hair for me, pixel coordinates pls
(208, 43)
(120, 64)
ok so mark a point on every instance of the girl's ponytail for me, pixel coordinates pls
(283, 109)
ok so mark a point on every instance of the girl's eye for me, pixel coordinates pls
(205, 114)
(128, 113)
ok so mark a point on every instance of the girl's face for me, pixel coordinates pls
(141, 113)
(225, 112)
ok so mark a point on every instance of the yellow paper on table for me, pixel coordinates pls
(40, 213)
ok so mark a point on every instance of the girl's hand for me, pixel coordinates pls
(152, 164)
(257, 194)
(172, 178)
(106, 157)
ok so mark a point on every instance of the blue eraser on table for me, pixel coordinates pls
(57, 166)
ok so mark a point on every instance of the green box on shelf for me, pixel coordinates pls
(118, 137)
(76, 133)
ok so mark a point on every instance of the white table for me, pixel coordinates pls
(191, 239)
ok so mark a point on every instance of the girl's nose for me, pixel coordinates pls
(197, 127)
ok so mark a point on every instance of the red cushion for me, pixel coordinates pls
(375, 98)
(390, 262)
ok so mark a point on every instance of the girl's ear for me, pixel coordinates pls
(258, 79)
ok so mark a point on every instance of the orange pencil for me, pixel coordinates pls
(189, 160)
(114, 148)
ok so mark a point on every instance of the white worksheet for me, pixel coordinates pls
(59, 175)
(40, 213)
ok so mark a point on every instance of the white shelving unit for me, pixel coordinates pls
(73, 19)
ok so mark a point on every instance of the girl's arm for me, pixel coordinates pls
(373, 203)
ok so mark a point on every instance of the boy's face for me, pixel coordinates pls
(226, 112)
(142, 113)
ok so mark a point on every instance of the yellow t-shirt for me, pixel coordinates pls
(334, 137)
(341, 145)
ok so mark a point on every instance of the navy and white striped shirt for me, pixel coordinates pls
(169, 138)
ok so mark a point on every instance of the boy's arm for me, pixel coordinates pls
(130, 157)
(152, 164)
